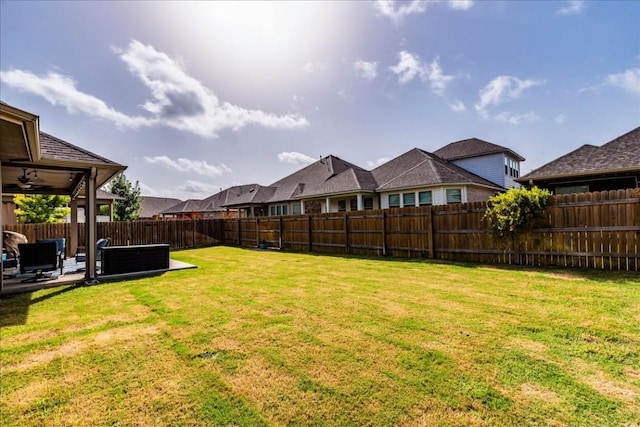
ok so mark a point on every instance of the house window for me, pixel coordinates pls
(394, 200)
(506, 166)
(273, 210)
(353, 204)
(408, 199)
(285, 210)
(425, 198)
(278, 210)
(368, 203)
(297, 210)
(454, 195)
(342, 205)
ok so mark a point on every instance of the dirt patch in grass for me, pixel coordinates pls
(533, 392)
(79, 345)
(533, 347)
(612, 389)
(33, 391)
(438, 415)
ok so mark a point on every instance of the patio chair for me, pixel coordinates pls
(81, 252)
(61, 246)
(38, 259)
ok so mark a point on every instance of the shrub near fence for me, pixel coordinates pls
(589, 230)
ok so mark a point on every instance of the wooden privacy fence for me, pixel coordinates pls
(589, 230)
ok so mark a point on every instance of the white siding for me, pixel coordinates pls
(438, 195)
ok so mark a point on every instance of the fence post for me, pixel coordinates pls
(430, 236)
(309, 233)
(384, 233)
(280, 227)
(346, 233)
(239, 236)
(257, 231)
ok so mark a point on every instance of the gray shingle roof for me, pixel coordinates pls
(313, 177)
(188, 206)
(420, 168)
(57, 149)
(152, 206)
(620, 154)
(352, 179)
(472, 147)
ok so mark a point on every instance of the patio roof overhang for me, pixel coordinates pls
(33, 162)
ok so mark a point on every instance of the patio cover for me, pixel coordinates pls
(55, 167)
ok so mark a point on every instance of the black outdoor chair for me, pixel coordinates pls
(62, 250)
(38, 259)
(81, 255)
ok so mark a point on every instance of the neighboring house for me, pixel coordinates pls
(328, 185)
(463, 171)
(419, 178)
(612, 166)
(152, 207)
(494, 163)
(211, 207)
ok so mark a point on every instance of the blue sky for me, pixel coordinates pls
(195, 97)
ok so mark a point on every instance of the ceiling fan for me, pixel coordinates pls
(25, 182)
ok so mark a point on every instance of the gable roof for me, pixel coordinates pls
(349, 180)
(419, 168)
(57, 149)
(618, 155)
(315, 179)
(473, 147)
(152, 206)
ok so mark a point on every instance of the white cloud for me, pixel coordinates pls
(560, 118)
(410, 67)
(295, 158)
(457, 106)
(388, 8)
(61, 90)
(200, 189)
(376, 163)
(178, 100)
(503, 89)
(439, 81)
(460, 4)
(516, 119)
(571, 7)
(346, 96)
(182, 102)
(366, 70)
(199, 167)
(628, 80)
(397, 10)
(311, 67)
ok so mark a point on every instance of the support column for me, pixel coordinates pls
(90, 211)
(327, 205)
(73, 226)
(302, 207)
(359, 202)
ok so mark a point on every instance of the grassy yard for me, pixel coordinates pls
(255, 338)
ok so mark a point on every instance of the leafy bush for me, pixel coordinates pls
(514, 210)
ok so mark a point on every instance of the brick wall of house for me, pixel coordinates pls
(479, 194)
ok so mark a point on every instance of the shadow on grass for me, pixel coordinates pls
(14, 309)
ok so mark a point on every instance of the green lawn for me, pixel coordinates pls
(256, 338)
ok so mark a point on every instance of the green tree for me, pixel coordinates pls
(129, 207)
(40, 208)
(514, 210)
